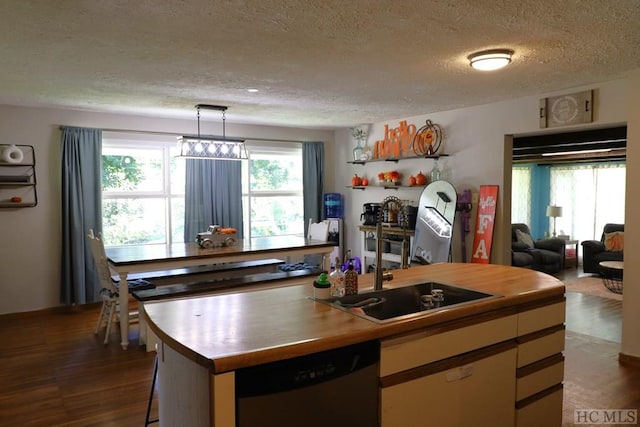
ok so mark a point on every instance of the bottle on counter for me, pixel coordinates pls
(336, 277)
(350, 281)
(322, 286)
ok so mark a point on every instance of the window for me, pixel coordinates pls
(521, 195)
(272, 190)
(142, 192)
(590, 196)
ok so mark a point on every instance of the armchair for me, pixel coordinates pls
(545, 255)
(594, 251)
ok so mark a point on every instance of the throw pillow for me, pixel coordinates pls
(524, 238)
(614, 242)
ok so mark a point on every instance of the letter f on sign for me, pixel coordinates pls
(483, 222)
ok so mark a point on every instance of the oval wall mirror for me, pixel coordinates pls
(434, 223)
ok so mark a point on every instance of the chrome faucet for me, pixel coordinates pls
(380, 275)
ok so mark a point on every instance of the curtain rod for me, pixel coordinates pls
(146, 132)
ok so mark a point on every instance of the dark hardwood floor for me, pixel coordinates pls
(593, 378)
(55, 372)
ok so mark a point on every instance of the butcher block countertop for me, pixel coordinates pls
(225, 332)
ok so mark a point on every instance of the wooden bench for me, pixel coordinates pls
(207, 272)
(244, 283)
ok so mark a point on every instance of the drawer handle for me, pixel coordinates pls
(460, 373)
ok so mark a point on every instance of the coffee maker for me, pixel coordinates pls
(370, 212)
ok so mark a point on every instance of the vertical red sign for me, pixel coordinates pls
(483, 236)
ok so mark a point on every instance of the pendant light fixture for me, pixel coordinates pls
(489, 60)
(211, 147)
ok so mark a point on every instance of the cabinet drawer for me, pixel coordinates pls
(543, 410)
(539, 376)
(541, 318)
(540, 345)
(422, 348)
(480, 393)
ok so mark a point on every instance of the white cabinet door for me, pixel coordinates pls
(477, 393)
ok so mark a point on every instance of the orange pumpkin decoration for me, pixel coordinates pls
(356, 181)
(421, 179)
(412, 181)
(365, 182)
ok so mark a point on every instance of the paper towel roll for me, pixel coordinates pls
(12, 154)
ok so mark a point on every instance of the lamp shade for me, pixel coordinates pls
(211, 147)
(490, 60)
(554, 211)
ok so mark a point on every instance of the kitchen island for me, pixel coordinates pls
(504, 354)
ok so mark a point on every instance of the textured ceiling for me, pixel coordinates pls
(318, 64)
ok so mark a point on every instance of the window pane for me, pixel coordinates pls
(131, 169)
(590, 196)
(271, 172)
(521, 195)
(272, 216)
(133, 221)
(177, 170)
(177, 220)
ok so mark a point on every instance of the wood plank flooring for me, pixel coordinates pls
(55, 372)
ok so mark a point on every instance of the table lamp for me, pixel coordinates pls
(554, 212)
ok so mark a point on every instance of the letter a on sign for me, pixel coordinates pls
(483, 236)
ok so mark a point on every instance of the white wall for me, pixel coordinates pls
(30, 237)
(475, 140)
(478, 141)
(631, 299)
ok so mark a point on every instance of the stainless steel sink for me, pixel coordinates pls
(395, 303)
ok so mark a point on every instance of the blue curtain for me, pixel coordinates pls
(81, 211)
(213, 195)
(312, 180)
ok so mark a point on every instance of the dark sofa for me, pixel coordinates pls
(594, 252)
(547, 255)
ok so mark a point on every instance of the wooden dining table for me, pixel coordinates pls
(125, 260)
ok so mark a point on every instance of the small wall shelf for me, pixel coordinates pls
(386, 187)
(396, 160)
(18, 180)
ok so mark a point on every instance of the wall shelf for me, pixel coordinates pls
(18, 180)
(396, 160)
(386, 187)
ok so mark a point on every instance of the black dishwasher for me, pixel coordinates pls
(334, 387)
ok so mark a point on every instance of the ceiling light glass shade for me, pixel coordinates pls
(193, 147)
(211, 147)
(490, 60)
(436, 222)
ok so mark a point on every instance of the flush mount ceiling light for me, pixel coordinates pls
(211, 147)
(489, 60)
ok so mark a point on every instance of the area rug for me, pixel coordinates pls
(591, 285)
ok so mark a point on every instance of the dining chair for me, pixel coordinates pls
(108, 287)
(108, 291)
(318, 230)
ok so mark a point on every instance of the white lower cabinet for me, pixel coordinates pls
(503, 371)
(540, 366)
(544, 410)
(474, 390)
